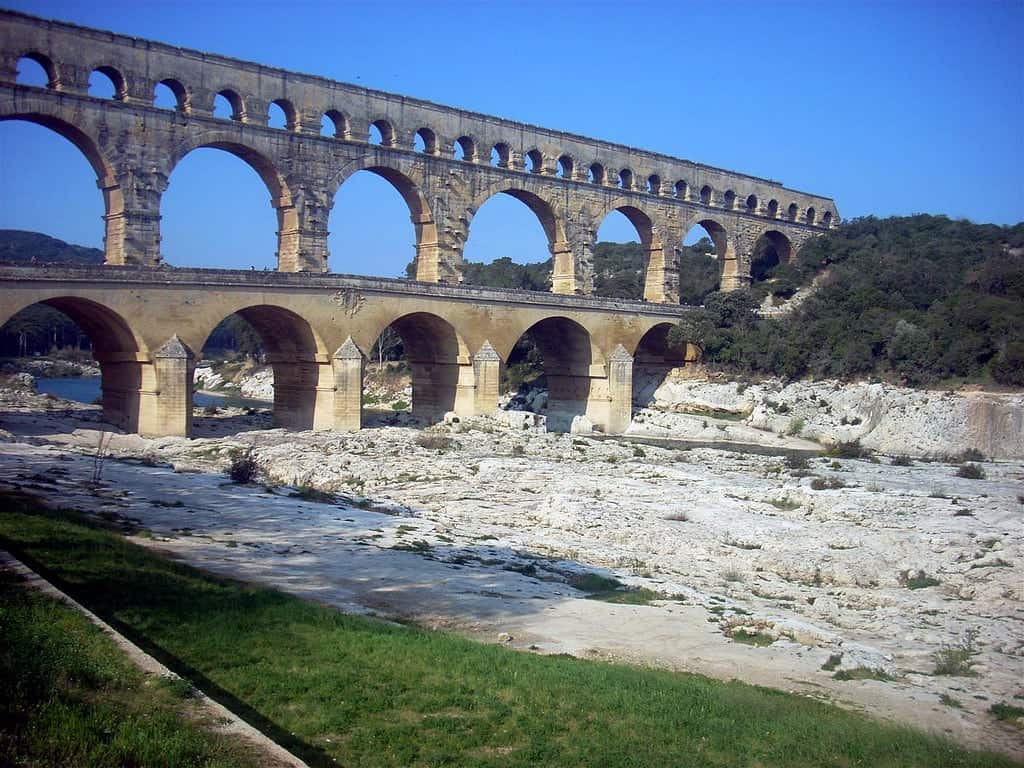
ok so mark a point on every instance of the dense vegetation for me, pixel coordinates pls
(618, 272)
(917, 300)
(340, 689)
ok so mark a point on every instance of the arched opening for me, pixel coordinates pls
(772, 250)
(425, 141)
(382, 133)
(211, 180)
(170, 94)
(826, 220)
(548, 371)
(705, 258)
(419, 355)
(373, 230)
(107, 83)
(654, 184)
(500, 154)
(510, 242)
(227, 105)
(36, 70)
(534, 161)
(729, 200)
(281, 114)
(334, 123)
(810, 216)
(73, 210)
(465, 149)
(706, 195)
(657, 355)
(270, 354)
(625, 179)
(752, 204)
(773, 209)
(622, 253)
(792, 212)
(71, 336)
(565, 167)
(682, 190)
(595, 174)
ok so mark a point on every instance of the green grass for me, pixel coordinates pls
(1008, 713)
(863, 673)
(759, 639)
(72, 698)
(364, 692)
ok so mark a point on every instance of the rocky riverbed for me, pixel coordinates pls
(779, 568)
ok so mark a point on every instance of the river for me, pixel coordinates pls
(86, 389)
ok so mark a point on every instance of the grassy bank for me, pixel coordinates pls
(72, 698)
(363, 692)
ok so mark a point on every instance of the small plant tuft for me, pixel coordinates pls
(848, 450)
(863, 673)
(1007, 713)
(833, 662)
(971, 472)
(243, 467)
(957, 660)
(901, 461)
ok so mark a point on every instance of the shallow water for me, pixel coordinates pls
(86, 389)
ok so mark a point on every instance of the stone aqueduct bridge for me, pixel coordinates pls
(146, 322)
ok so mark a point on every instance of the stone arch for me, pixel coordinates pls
(725, 248)
(467, 147)
(340, 121)
(118, 349)
(811, 215)
(566, 167)
(729, 200)
(682, 190)
(44, 61)
(106, 178)
(436, 353)
(792, 212)
(653, 248)
(771, 249)
(388, 135)
(596, 173)
(654, 184)
(626, 179)
(551, 222)
(276, 184)
(428, 137)
(752, 204)
(654, 357)
(826, 220)
(773, 209)
(291, 116)
(707, 195)
(235, 102)
(501, 155)
(116, 78)
(533, 161)
(428, 266)
(180, 92)
(298, 356)
(569, 355)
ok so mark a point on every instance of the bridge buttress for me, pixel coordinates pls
(349, 364)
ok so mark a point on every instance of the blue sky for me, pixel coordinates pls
(889, 107)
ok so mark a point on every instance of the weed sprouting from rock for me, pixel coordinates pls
(243, 467)
(958, 660)
(971, 472)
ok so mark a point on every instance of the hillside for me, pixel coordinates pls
(918, 300)
(20, 247)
